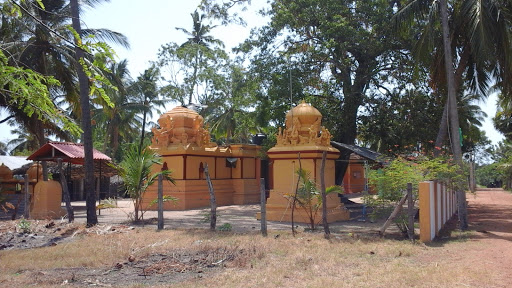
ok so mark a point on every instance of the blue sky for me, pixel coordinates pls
(150, 24)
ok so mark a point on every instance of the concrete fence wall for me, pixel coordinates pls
(437, 205)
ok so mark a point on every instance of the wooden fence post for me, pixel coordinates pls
(263, 201)
(65, 191)
(327, 232)
(26, 212)
(410, 210)
(213, 203)
(395, 212)
(160, 203)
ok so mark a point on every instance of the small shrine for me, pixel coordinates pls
(183, 141)
(44, 196)
(303, 139)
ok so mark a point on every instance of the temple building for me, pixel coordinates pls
(184, 145)
(301, 144)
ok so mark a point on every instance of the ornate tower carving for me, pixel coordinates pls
(303, 128)
(181, 127)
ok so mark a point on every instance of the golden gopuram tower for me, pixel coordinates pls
(184, 145)
(303, 138)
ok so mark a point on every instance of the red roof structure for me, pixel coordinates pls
(68, 152)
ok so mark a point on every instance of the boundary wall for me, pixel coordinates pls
(437, 205)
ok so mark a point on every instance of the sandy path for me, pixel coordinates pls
(490, 215)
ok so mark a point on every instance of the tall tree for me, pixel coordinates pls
(343, 46)
(199, 36)
(229, 111)
(146, 91)
(192, 65)
(40, 40)
(118, 123)
(479, 38)
(83, 81)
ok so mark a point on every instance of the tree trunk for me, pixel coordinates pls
(453, 116)
(443, 126)
(83, 81)
(354, 93)
(443, 131)
(143, 126)
(327, 232)
(65, 192)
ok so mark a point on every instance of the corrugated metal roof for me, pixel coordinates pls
(361, 151)
(68, 152)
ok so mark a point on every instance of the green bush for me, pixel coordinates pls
(391, 182)
(225, 227)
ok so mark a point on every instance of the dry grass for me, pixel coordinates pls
(279, 260)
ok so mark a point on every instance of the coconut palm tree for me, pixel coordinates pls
(25, 142)
(475, 25)
(45, 44)
(118, 123)
(199, 41)
(145, 89)
(479, 38)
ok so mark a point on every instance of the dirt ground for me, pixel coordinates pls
(240, 218)
(487, 247)
(490, 215)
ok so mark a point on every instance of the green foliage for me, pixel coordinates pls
(336, 54)
(28, 91)
(194, 66)
(107, 203)
(391, 182)
(308, 197)
(394, 121)
(503, 118)
(24, 226)
(201, 73)
(165, 198)
(136, 171)
(95, 70)
(489, 175)
(225, 227)
(498, 173)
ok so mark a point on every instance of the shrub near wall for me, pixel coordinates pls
(391, 181)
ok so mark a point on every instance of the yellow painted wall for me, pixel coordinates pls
(192, 191)
(424, 203)
(284, 169)
(223, 172)
(193, 163)
(329, 172)
(237, 171)
(249, 168)
(175, 164)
